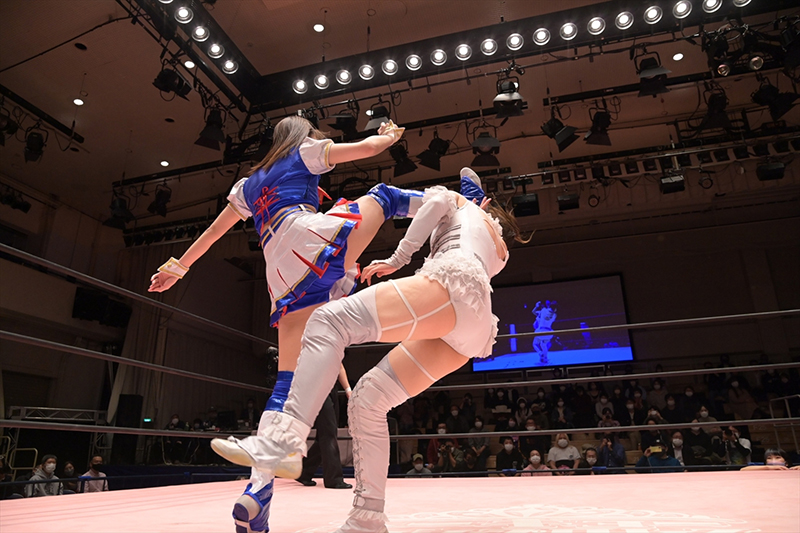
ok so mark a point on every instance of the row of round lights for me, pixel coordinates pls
(184, 15)
(514, 42)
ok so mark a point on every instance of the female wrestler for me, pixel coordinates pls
(545, 314)
(441, 316)
(311, 257)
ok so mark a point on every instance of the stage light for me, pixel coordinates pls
(650, 165)
(684, 160)
(741, 152)
(189, 64)
(596, 26)
(770, 171)
(614, 170)
(159, 205)
(438, 57)
(321, 81)
(389, 67)
(781, 147)
(710, 6)
(402, 164)
(541, 36)
(755, 63)
(212, 134)
(230, 66)
(677, 57)
(170, 80)
(705, 180)
(508, 102)
(413, 62)
(556, 130)
(721, 155)
(624, 20)
(652, 74)
(366, 72)
(568, 201)
(761, 150)
(78, 102)
(184, 15)
(215, 51)
(598, 134)
(485, 147)
(682, 9)
(704, 157)
(200, 34)
(580, 174)
(7, 127)
(779, 103)
(515, 42)
(319, 28)
(717, 116)
(164, 163)
(525, 205)
(563, 176)
(593, 200)
(489, 47)
(34, 146)
(120, 214)
(631, 167)
(568, 31)
(463, 52)
(300, 87)
(346, 123)
(344, 77)
(740, 3)
(379, 115)
(653, 14)
(436, 149)
(165, 1)
(672, 182)
(548, 179)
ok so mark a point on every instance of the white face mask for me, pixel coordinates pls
(500, 395)
(704, 414)
(418, 467)
(530, 428)
(657, 386)
(479, 424)
(562, 443)
(175, 421)
(541, 395)
(689, 394)
(454, 413)
(535, 459)
(591, 460)
(671, 403)
(512, 424)
(50, 468)
(653, 413)
(441, 431)
(734, 384)
(630, 407)
(561, 404)
(604, 400)
(696, 429)
(677, 442)
(508, 447)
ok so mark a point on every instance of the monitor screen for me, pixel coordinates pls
(558, 306)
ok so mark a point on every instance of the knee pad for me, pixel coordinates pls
(395, 201)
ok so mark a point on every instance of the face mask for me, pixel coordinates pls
(418, 467)
(637, 395)
(604, 400)
(522, 406)
(175, 421)
(562, 443)
(508, 447)
(677, 442)
(630, 407)
(490, 391)
(671, 403)
(500, 395)
(657, 386)
(50, 468)
(69, 471)
(441, 431)
(776, 463)
(541, 395)
(617, 392)
(695, 429)
(704, 414)
(734, 384)
(561, 404)
(652, 413)
(454, 413)
(591, 460)
(96, 466)
(512, 424)
(530, 428)
(535, 459)
(689, 394)
(479, 424)
(562, 388)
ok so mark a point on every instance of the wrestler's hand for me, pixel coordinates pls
(776, 467)
(795, 467)
(161, 281)
(392, 130)
(376, 269)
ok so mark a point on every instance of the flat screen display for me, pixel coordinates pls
(551, 307)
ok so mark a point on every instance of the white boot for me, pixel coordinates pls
(361, 521)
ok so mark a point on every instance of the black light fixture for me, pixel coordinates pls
(508, 102)
(741, 152)
(159, 205)
(631, 167)
(672, 182)
(779, 103)
(525, 205)
(346, 122)
(704, 157)
(556, 130)
(716, 48)
(8, 126)
(761, 150)
(436, 149)
(120, 214)
(705, 181)
(772, 170)
(379, 114)
(485, 147)
(598, 133)
(781, 147)
(717, 115)
(721, 155)
(402, 164)
(212, 135)
(652, 74)
(14, 200)
(34, 144)
(568, 201)
(171, 81)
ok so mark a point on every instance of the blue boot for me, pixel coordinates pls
(251, 511)
(471, 187)
(396, 202)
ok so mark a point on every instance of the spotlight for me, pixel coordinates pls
(489, 47)
(705, 181)
(677, 57)
(170, 80)
(650, 165)
(508, 102)
(614, 170)
(770, 171)
(485, 147)
(344, 77)
(631, 167)
(366, 72)
(717, 116)
(755, 63)
(653, 14)
(159, 205)
(463, 52)
(120, 214)
(300, 87)
(704, 157)
(230, 66)
(652, 74)
(779, 103)
(413, 62)
(740, 3)
(14, 200)
(389, 67)
(671, 183)
(580, 174)
(564, 176)
(200, 34)
(555, 129)
(541, 36)
(710, 6)
(438, 57)
(165, 163)
(682, 9)
(548, 179)
(165, 1)
(684, 160)
(525, 205)
(34, 146)
(598, 134)
(319, 28)
(380, 114)
(721, 155)
(189, 64)
(593, 200)
(436, 149)
(402, 164)
(568, 31)
(321, 81)
(515, 42)
(7, 127)
(212, 134)
(596, 26)
(624, 20)
(215, 51)
(346, 123)
(184, 15)
(568, 201)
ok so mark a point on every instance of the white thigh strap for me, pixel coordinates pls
(414, 318)
(413, 360)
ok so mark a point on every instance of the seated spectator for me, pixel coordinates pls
(595, 391)
(657, 396)
(702, 446)
(618, 401)
(250, 415)
(542, 401)
(562, 416)
(588, 462)
(653, 436)
(449, 457)
(705, 416)
(672, 412)
(468, 407)
(489, 399)
(522, 412)
(540, 417)
(435, 443)
(655, 413)
(456, 423)
(419, 466)
(634, 387)
(602, 405)
(563, 456)
(639, 402)
(679, 452)
(479, 444)
(5, 477)
(175, 448)
(740, 402)
(608, 420)
(528, 441)
(535, 465)
(737, 448)
(689, 404)
(657, 456)
(511, 425)
(562, 390)
(97, 483)
(503, 399)
(774, 459)
(470, 466)
(70, 487)
(584, 409)
(509, 458)
(611, 453)
(45, 472)
(632, 417)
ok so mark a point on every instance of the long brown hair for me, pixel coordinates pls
(288, 135)
(508, 222)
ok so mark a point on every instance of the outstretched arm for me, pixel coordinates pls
(388, 134)
(163, 280)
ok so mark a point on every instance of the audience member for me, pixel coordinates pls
(503, 399)
(509, 458)
(522, 412)
(449, 457)
(419, 466)
(737, 448)
(469, 467)
(595, 391)
(770, 382)
(530, 440)
(774, 459)
(705, 416)
(653, 437)
(540, 416)
(5, 477)
(618, 401)
(689, 404)
(634, 387)
(535, 465)
(45, 472)
(250, 415)
(211, 423)
(584, 409)
(588, 462)
(70, 487)
(639, 403)
(175, 448)
(542, 401)
(607, 421)
(563, 456)
(740, 402)
(672, 412)
(611, 453)
(562, 416)
(489, 399)
(602, 405)
(657, 395)
(702, 446)
(632, 417)
(468, 407)
(435, 444)
(97, 483)
(678, 451)
(657, 456)
(479, 444)
(655, 414)
(456, 422)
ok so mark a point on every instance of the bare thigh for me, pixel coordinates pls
(290, 333)
(371, 221)
(424, 295)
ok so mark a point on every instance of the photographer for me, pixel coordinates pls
(737, 448)
(657, 456)
(450, 457)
